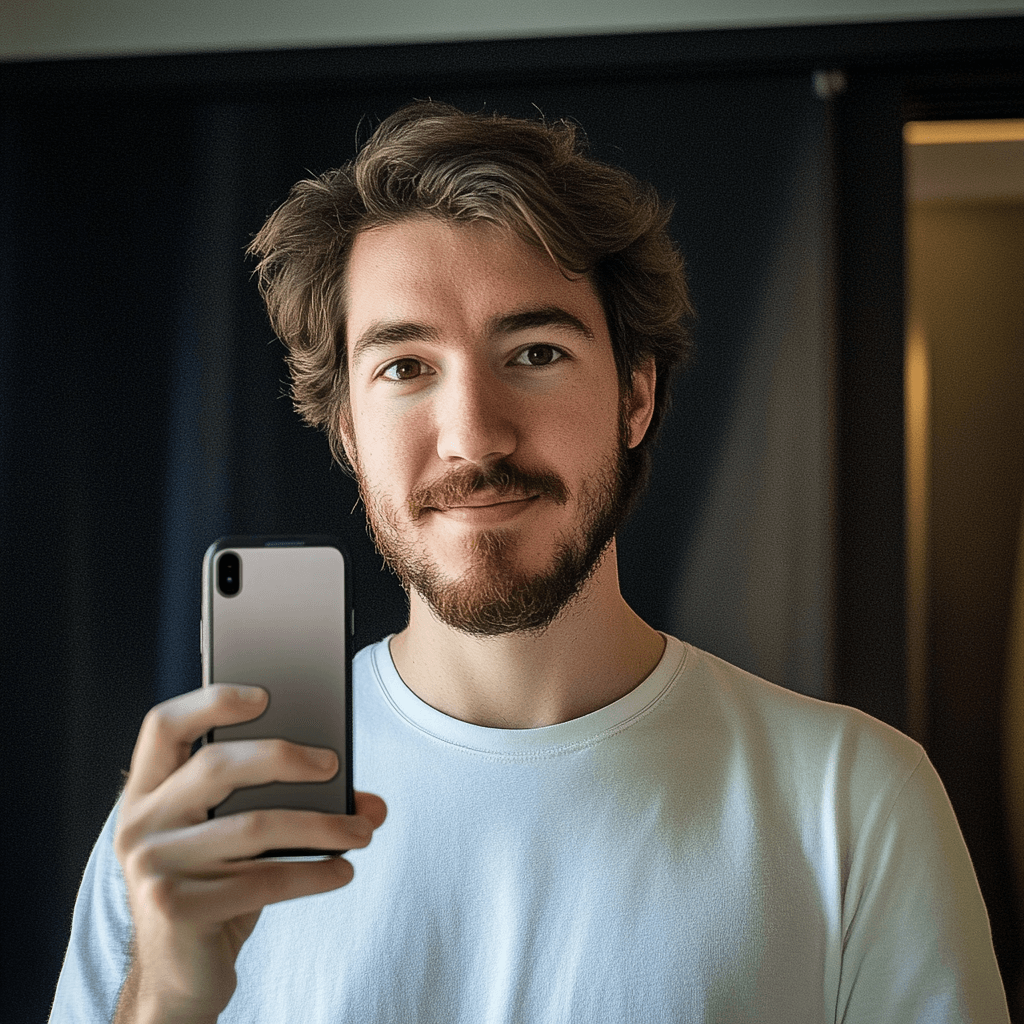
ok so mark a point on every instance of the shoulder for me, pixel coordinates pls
(771, 708)
(98, 953)
(804, 743)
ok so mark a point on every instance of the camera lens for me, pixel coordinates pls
(229, 567)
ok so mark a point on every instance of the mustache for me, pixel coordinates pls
(505, 479)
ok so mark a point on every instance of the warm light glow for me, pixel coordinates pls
(917, 403)
(937, 133)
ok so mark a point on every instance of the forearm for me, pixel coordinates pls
(135, 1007)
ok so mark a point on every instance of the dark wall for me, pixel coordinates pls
(143, 409)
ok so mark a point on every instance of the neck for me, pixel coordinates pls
(596, 651)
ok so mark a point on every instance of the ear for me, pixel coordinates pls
(641, 401)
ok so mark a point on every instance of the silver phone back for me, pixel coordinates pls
(284, 630)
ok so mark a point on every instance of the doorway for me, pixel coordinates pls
(964, 430)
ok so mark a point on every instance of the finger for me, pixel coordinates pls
(216, 771)
(217, 846)
(169, 729)
(371, 807)
(252, 886)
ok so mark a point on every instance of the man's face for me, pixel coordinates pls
(486, 431)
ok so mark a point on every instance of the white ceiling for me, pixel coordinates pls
(62, 28)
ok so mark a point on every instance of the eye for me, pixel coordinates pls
(539, 355)
(403, 369)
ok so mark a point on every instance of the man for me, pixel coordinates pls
(588, 820)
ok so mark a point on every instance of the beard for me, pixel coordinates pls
(494, 595)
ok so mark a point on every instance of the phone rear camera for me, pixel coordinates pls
(229, 571)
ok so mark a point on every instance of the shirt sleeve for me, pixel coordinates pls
(917, 946)
(98, 955)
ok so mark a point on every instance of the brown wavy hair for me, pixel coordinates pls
(533, 177)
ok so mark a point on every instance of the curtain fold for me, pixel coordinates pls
(143, 407)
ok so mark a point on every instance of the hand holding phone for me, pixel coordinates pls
(196, 885)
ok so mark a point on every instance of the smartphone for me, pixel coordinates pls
(277, 613)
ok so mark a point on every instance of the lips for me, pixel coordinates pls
(487, 510)
(493, 486)
(487, 501)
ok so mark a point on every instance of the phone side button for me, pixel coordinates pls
(352, 624)
(200, 638)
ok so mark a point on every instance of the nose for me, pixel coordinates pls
(476, 419)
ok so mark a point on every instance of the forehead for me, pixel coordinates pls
(456, 277)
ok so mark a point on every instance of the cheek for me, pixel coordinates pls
(393, 449)
(589, 422)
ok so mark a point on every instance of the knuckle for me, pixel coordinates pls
(252, 825)
(162, 894)
(124, 842)
(162, 722)
(127, 835)
(285, 750)
(138, 863)
(218, 760)
(225, 696)
(155, 723)
(218, 757)
(203, 764)
(121, 849)
(288, 755)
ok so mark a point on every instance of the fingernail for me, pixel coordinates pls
(323, 757)
(256, 694)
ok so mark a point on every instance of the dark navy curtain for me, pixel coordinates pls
(143, 407)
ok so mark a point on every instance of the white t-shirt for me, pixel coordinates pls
(708, 848)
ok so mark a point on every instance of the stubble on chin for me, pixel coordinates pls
(494, 595)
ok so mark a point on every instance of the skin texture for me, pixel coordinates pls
(454, 371)
(487, 428)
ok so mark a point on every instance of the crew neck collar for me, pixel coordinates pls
(521, 744)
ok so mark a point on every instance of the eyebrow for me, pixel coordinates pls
(385, 333)
(542, 316)
(388, 333)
